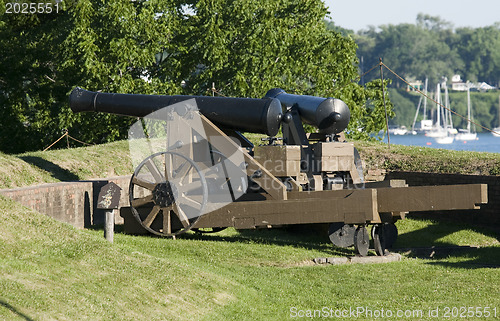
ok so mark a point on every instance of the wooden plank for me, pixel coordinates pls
(431, 198)
(354, 207)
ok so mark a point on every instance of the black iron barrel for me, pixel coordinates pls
(329, 115)
(241, 114)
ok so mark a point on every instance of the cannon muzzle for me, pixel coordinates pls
(329, 115)
(241, 114)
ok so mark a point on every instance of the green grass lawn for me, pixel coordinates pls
(51, 271)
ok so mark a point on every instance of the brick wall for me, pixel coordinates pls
(487, 214)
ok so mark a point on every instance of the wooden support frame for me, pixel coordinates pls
(272, 185)
(362, 206)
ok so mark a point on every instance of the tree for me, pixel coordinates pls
(154, 46)
(108, 46)
(249, 47)
(413, 51)
(480, 50)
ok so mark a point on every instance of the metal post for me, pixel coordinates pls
(385, 106)
(109, 225)
(109, 200)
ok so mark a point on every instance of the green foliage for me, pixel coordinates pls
(405, 106)
(370, 117)
(152, 47)
(107, 46)
(249, 47)
(480, 50)
(484, 108)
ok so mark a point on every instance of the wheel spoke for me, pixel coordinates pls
(182, 170)
(142, 183)
(189, 186)
(191, 202)
(141, 201)
(167, 222)
(154, 171)
(168, 166)
(151, 217)
(182, 216)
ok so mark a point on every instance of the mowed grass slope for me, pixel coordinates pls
(34, 168)
(51, 271)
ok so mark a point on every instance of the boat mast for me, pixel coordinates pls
(468, 108)
(449, 120)
(425, 101)
(438, 105)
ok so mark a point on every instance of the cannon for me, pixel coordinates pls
(202, 173)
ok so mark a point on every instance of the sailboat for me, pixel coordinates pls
(466, 134)
(437, 130)
(496, 130)
(425, 124)
(448, 121)
(441, 133)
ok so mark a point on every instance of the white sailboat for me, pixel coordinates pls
(425, 124)
(496, 130)
(441, 133)
(467, 134)
(445, 140)
(437, 129)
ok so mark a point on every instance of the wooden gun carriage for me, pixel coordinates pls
(202, 173)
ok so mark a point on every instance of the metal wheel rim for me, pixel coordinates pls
(378, 235)
(361, 241)
(341, 235)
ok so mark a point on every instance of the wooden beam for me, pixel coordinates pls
(431, 198)
(354, 207)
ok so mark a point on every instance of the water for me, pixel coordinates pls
(486, 142)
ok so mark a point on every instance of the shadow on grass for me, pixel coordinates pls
(431, 234)
(55, 170)
(14, 310)
(473, 258)
(309, 237)
(426, 243)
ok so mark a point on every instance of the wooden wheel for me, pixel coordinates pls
(167, 193)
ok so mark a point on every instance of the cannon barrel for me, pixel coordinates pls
(329, 115)
(241, 114)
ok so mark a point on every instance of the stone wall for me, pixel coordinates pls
(70, 202)
(487, 214)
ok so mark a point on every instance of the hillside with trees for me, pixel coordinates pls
(432, 48)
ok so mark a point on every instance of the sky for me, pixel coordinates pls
(359, 14)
